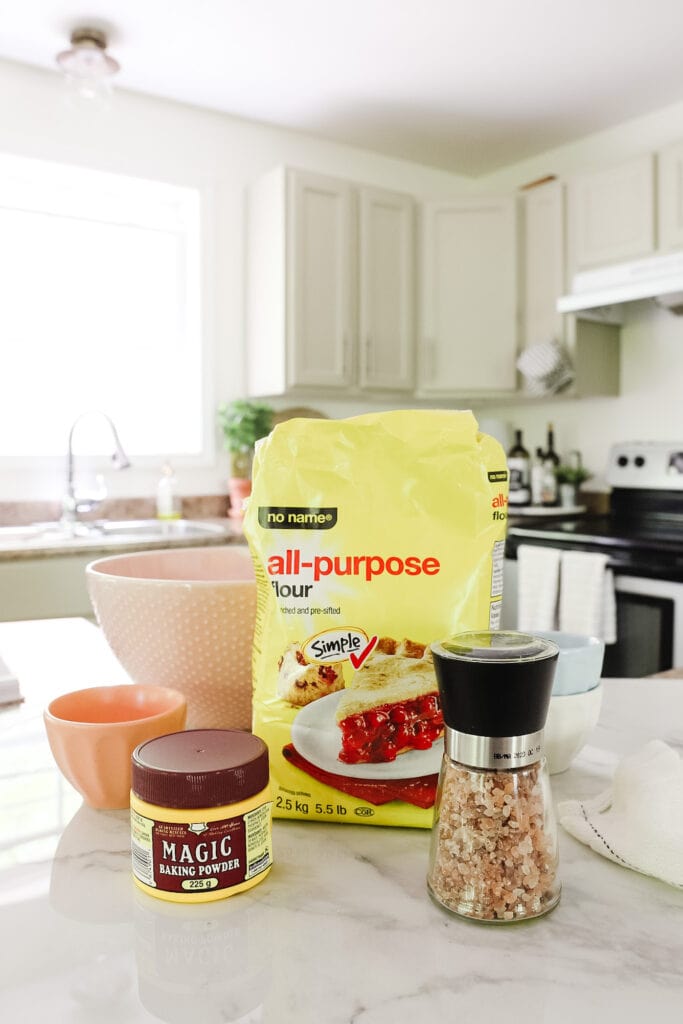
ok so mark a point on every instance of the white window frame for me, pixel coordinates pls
(31, 476)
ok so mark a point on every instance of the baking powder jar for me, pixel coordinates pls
(200, 811)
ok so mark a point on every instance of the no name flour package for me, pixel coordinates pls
(371, 537)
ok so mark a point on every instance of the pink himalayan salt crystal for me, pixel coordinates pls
(494, 854)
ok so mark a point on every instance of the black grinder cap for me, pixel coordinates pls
(495, 683)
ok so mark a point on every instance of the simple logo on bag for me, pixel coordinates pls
(296, 517)
(498, 476)
(349, 644)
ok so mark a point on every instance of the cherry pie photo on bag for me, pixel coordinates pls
(384, 725)
(376, 739)
(391, 705)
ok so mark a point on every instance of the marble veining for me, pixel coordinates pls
(341, 931)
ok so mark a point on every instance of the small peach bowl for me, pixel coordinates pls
(184, 618)
(92, 734)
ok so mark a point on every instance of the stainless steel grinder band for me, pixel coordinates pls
(494, 752)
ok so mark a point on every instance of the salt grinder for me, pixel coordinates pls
(494, 843)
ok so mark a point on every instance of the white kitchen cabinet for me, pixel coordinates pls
(611, 214)
(542, 278)
(593, 347)
(386, 326)
(329, 286)
(468, 334)
(670, 197)
(319, 284)
(44, 588)
(299, 283)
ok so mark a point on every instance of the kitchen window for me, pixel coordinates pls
(100, 309)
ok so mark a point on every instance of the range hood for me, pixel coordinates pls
(657, 277)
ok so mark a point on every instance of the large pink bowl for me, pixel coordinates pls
(183, 618)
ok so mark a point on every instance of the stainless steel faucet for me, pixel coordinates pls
(71, 506)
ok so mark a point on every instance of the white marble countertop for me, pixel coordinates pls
(341, 931)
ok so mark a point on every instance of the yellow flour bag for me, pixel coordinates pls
(372, 537)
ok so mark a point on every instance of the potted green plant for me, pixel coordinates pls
(243, 423)
(569, 479)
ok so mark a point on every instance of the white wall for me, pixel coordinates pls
(650, 405)
(221, 155)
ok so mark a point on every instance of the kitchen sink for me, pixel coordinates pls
(104, 532)
(17, 534)
(154, 528)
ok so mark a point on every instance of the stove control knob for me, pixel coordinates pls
(622, 460)
(639, 460)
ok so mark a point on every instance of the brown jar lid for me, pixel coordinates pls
(200, 768)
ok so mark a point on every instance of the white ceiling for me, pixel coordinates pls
(466, 85)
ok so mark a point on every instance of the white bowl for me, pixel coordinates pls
(571, 719)
(579, 664)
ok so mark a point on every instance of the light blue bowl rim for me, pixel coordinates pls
(577, 693)
(573, 646)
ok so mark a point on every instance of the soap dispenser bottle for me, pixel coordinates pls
(168, 501)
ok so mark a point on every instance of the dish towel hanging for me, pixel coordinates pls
(587, 602)
(638, 821)
(538, 571)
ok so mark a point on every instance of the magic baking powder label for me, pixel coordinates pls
(197, 856)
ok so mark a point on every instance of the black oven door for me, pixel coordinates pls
(645, 629)
(648, 585)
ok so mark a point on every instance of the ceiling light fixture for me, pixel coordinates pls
(87, 65)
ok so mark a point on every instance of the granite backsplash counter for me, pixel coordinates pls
(29, 530)
(200, 506)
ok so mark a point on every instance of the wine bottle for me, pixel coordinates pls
(551, 460)
(519, 467)
(537, 476)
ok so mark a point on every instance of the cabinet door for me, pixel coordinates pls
(543, 263)
(670, 197)
(386, 314)
(611, 214)
(319, 282)
(469, 297)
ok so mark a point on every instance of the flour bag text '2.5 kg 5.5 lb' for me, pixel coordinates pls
(372, 537)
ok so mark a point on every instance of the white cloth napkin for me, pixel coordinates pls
(638, 821)
(538, 572)
(587, 602)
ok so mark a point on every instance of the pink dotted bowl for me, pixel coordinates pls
(183, 618)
